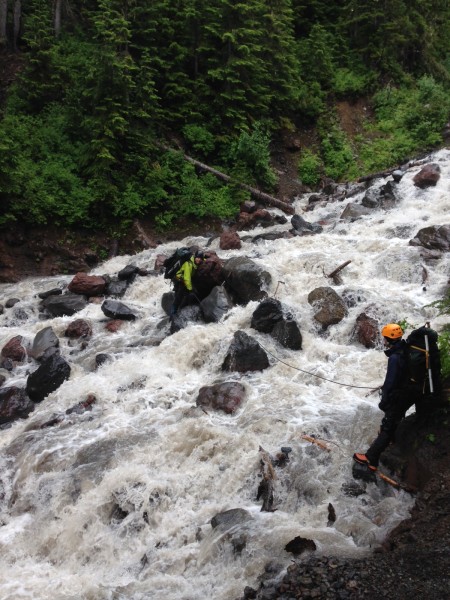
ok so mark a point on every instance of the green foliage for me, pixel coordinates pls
(350, 83)
(181, 193)
(337, 153)
(199, 139)
(310, 167)
(408, 120)
(80, 128)
(250, 157)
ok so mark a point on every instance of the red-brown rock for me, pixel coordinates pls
(87, 285)
(78, 329)
(230, 240)
(14, 349)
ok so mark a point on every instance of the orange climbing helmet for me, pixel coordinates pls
(392, 331)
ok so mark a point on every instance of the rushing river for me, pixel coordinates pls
(116, 503)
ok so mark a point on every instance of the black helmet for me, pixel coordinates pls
(199, 254)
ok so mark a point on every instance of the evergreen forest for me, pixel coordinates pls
(105, 96)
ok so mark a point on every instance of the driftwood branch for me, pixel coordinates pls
(255, 193)
(333, 274)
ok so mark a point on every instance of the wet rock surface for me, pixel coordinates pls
(414, 560)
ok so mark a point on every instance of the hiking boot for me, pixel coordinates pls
(363, 460)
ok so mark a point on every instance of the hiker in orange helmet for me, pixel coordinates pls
(398, 394)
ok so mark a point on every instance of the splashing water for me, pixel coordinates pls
(116, 503)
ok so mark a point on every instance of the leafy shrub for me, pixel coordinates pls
(250, 157)
(348, 82)
(200, 139)
(309, 167)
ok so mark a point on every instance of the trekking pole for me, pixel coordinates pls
(430, 378)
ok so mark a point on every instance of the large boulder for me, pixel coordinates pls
(14, 349)
(52, 372)
(66, 304)
(45, 341)
(287, 333)
(354, 211)
(428, 176)
(367, 331)
(87, 285)
(435, 237)
(230, 240)
(245, 279)
(79, 329)
(208, 274)
(302, 227)
(245, 354)
(227, 396)
(329, 306)
(271, 317)
(186, 316)
(14, 404)
(216, 304)
(117, 310)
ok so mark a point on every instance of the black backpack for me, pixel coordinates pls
(423, 359)
(174, 262)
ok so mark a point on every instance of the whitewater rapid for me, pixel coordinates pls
(116, 503)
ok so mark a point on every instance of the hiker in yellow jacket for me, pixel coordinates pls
(183, 287)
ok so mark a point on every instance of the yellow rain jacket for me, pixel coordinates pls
(184, 273)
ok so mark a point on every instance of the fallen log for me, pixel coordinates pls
(255, 193)
(334, 273)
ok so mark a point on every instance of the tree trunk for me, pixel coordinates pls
(57, 17)
(17, 17)
(257, 194)
(3, 15)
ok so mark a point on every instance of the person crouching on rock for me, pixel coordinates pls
(399, 393)
(185, 293)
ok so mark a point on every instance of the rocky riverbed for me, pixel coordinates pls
(415, 558)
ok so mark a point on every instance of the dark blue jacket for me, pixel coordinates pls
(397, 371)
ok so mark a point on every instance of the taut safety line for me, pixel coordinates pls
(361, 387)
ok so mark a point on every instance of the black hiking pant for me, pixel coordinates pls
(183, 297)
(399, 402)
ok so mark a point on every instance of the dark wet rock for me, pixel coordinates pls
(15, 349)
(216, 304)
(66, 304)
(266, 315)
(230, 240)
(44, 340)
(428, 176)
(167, 300)
(301, 226)
(186, 316)
(227, 396)
(329, 306)
(245, 354)
(271, 317)
(436, 237)
(354, 211)
(117, 310)
(208, 275)
(258, 218)
(128, 273)
(50, 375)
(245, 279)
(52, 292)
(11, 302)
(114, 325)
(287, 333)
(80, 328)
(397, 175)
(353, 297)
(14, 404)
(299, 545)
(87, 285)
(116, 288)
(231, 518)
(270, 236)
(367, 331)
(249, 206)
(101, 359)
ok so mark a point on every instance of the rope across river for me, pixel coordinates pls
(361, 387)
